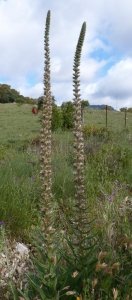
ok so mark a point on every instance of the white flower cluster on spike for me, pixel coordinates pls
(45, 143)
(80, 203)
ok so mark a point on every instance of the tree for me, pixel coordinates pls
(84, 103)
(4, 93)
(130, 109)
(41, 99)
(30, 100)
(40, 102)
(21, 99)
(67, 115)
(53, 99)
(123, 109)
(56, 121)
(108, 107)
(68, 111)
(8, 95)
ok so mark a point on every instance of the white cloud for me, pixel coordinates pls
(89, 67)
(109, 26)
(35, 91)
(115, 86)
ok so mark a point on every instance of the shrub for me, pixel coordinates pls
(92, 130)
(67, 115)
(130, 110)
(56, 122)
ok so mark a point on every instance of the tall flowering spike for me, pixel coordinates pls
(80, 205)
(45, 143)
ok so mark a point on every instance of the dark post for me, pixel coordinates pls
(125, 116)
(106, 115)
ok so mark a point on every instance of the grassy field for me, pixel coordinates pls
(17, 123)
(108, 188)
(115, 119)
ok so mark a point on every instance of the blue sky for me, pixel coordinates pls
(106, 63)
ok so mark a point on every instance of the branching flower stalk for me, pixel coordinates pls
(45, 145)
(80, 202)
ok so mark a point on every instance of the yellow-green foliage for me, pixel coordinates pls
(92, 130)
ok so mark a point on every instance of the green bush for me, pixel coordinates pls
(92, 130)
(67, 115)
(56, 122)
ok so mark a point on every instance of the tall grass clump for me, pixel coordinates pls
(19, 192)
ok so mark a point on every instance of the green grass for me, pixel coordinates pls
(108, 181)
(115, 119)
(19, 194)
(17, 123)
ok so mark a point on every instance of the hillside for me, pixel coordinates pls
(100, 107)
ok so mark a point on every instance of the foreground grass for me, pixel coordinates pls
(108, 187)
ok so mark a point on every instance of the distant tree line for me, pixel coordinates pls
(9, 95)
(123, 109)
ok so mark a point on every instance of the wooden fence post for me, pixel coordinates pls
(125, 116)
(106, 115)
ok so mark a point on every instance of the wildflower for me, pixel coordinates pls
(102, 255)
(2, 223)
(115, 265)
(70, 293)
(100, 267)
(79, 298)
(108, 270)
(94, 282)
(75, 274)
(55, 260)
(110, 199)
(65, 288)
(127, 187)
(45, 144)
(47, 275)
(115, 293)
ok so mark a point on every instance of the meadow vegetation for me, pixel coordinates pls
(89, 253)
(108, 188)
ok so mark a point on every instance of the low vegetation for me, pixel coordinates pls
(108, 188)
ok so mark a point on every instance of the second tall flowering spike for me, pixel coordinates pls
(80, 202)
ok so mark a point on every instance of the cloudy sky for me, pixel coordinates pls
(106, 63)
